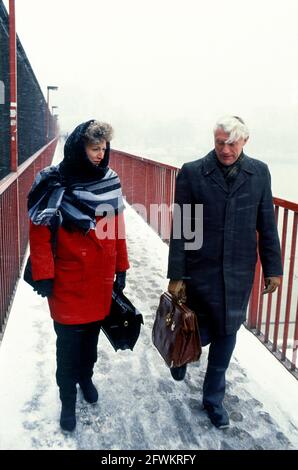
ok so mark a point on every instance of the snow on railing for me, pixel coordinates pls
(150, 187)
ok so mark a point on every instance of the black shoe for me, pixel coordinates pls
(89, 391)
(178, 373)
(218, 415)
(68, 416)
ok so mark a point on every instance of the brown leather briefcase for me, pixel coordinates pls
(175, 332)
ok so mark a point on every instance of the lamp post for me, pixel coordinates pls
(55, 117)
(49, 87)
(52, 127)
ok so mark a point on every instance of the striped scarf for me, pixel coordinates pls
(76, 204)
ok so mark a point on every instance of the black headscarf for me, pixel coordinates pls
(76, 166)
(55, 187)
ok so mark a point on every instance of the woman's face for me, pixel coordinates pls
(96, 152)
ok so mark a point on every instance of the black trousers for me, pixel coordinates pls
(220, 352)
(76, 354)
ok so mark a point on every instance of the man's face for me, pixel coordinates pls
(227, 153)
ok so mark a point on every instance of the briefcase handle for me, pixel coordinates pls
(186, 326)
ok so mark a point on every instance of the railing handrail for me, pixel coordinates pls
(146, 160)
(293, 206)
(35, 156)
(14, 222)
(11, 177)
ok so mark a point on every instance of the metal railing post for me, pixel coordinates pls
(13, 88)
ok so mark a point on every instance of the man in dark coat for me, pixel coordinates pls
(216, 278)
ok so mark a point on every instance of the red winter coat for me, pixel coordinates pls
(83, 270)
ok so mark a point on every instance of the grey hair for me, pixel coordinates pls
(234, 126)
(98, 131)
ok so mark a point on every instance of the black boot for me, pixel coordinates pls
(213, 394)
(88, 359)
(218, 415)
(89, 391)
(178, 373)
(68, 415)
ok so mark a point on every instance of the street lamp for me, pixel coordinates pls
(55, 117)
(49, 87)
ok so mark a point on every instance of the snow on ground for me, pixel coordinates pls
(140, 406)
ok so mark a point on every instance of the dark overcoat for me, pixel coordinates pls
(220, 274)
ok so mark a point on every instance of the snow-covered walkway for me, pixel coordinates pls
(140, 406)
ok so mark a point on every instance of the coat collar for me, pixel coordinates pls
(210, 168)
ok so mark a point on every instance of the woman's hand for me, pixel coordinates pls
(44, 287)
(119, 283)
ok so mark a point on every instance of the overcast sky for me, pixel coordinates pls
(163, 71)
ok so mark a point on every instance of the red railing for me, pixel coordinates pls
(150, 184)
(14, 222)
(146, 183)
(274, 319)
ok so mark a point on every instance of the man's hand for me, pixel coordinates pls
(271, 284)
(177, 289)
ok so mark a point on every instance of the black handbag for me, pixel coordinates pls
(123, 324)
(28, 274)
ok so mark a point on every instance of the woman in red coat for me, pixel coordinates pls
(84, 195)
